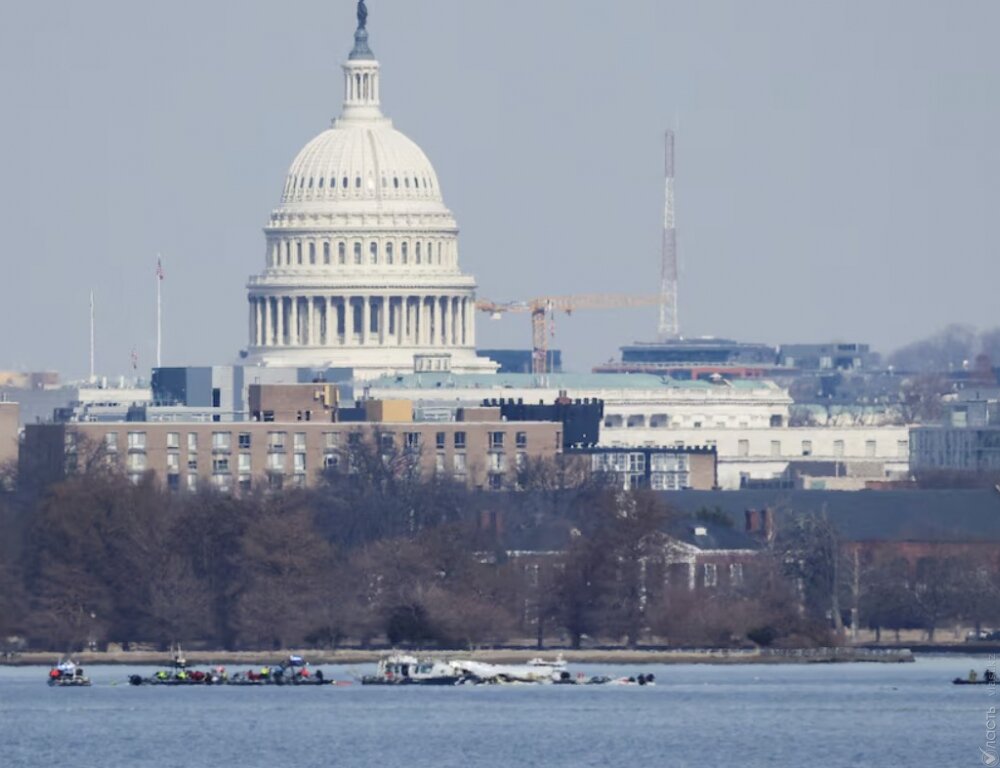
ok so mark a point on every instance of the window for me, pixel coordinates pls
(341, 253)
(245, 483)
(299, 441)
(192, 464)
(496, 441)
(220, 465)
(406, 253)
(411, 440)
(326, 253)
(388, 253)
(775, 447)
(137, 441)
(807, 448)
(174, 440)
(736, 574)
(192, 442)
(636, 462)
(276, 462)
(460, 440)
(870, 449)
(498, 462)
(111, 442)
(244, 462)
(418, 254)
(245, 441)
(743, 448)
(496, 482)
(312, 253)
(711, 577)
(439, 463)
(300, 464)
(459, 463)
(173, 463)
(331, 440)
(522, 439)
(222, 441)
(440, 440)
(136, 462)
(298, 252)
(838, 447)
(344, 182)
(903, 448)
(357, 253)
(373, 252)
(331, 461)
(276, 441)
(521, 460)
(192, 482)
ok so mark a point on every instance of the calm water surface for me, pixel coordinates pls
(844, 715)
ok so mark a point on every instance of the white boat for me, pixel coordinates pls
(402, 669)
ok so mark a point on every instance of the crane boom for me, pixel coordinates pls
(543, 308)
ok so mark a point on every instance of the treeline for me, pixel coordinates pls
(377, 556)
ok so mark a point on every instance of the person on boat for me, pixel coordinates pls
(182, 675)
(54, 673)
(989, 676)
(162, 675)
(265, 673)
(972, 675)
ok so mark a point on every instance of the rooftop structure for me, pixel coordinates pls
(362, 254)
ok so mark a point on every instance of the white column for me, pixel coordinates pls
(348, 322)
(366, 320)
(311, 315)
(330, 339)
(279, 315)
(470, 322)
(267, 321)
(383, 320)
(448, 338)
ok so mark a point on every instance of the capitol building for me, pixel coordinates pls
(361, 267)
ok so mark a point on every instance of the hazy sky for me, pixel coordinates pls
(837, 166)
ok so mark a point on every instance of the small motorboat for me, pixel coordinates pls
(66, 674)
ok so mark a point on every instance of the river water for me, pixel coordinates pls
(696, 715)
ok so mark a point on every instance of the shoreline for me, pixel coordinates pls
(841, 655)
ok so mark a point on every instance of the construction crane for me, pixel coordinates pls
(543, 311)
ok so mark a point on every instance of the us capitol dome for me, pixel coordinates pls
(362, 253)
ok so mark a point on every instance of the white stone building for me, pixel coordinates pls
(362, 254)
(745, 421)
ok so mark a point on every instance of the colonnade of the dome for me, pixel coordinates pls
(389, 319)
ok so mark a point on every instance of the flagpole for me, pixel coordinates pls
(159, 313)
(93, 373)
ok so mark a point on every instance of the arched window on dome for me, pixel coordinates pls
(416, 183)
(373, 252)
(310, 182)
(346, 182)
(357, 182)
(298, 252)
(430, 254)
(406, 252)
(333, 182)
(406, 182)
(342, 253)
(302, 182)
(322, 179)
(388, 253)
(312, 253)
(418, 253)
(395, 182)
(326, 254)
(357, 253)
(288, 253)
(439, 253)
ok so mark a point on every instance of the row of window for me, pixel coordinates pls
(311, 253)
(278, 441)
(839, 448)
(663, 421)
(337, 181)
